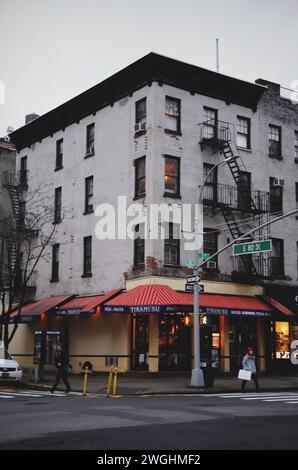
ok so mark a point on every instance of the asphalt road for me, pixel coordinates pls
(38, 420)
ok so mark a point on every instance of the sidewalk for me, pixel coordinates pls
(139, 384)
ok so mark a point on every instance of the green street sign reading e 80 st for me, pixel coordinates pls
(252, 247)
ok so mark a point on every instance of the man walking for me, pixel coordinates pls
(61, 365)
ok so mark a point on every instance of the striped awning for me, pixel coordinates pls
(156, 298)
(33, 310)
(85, 305)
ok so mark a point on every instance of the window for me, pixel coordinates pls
(22, 213)
(210, 123)
(277, 258)
(58, 202)
(243, 132)
(210, 189)
(172, 177)
(275, 194)
(173, 117)
(140, 177)
(23, 171)
(274, 141)
(59, 154)
(90, 140)
(296, 145)
(88, 195)
(141, 115)
(55, 262)
(244, 192)
(139, 246)
(296, 194)
(172, 247)
(87, 260)
(210, 243)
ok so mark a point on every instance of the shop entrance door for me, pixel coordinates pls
(174, 343)
(140, 347)
(242, 333)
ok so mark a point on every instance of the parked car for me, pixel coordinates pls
(10, 370)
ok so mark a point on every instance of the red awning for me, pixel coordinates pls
(226, 301)
(278, 306)
(148, 295)
(162, 299)
(86, 304)
(41, 306)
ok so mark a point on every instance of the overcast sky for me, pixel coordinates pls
(52, 50)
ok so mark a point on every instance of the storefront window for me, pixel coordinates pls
(45, 343)
(282, 346)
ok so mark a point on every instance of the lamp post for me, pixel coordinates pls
(197, 377)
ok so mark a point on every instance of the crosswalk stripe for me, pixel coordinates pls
(5, 396)
(292, 402)
(21, 395)
(272, 397)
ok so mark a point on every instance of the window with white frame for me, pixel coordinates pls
(243, 132)
(274, 141)
(172, 114)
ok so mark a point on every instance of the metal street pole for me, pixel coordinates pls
(197, 377)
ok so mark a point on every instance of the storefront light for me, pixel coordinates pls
(187, 320)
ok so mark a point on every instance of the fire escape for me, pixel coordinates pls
(15, 230)
(241, 206)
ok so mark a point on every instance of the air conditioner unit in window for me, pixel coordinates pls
(90, 150)
(211, 265)
(278, 182)
(140, 126)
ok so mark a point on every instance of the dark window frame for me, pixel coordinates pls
(59, 154)
(172, 243)
(278, 263)
(138, 193)
(207, 124)
(278, 152)
(166, 193)
(58, 205)
(90, 139)
(178, 117)
(209, 184)
(139, 246)
(89, 209)
(24, 171)
(247, 135)
(208, 232)
(55, 262)
(275, 200)
(87, 256)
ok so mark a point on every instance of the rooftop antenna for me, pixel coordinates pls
(217, 55)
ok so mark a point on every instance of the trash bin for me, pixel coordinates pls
(207, 373)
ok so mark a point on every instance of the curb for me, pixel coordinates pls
(33, 386)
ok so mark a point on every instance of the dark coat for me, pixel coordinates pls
(61, 360)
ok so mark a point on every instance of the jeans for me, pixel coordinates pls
(61, 374)
(255, 379)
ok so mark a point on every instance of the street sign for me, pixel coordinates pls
(193, 279)
(190, 288)
(204, 256)
(191, 262)
(252, 247)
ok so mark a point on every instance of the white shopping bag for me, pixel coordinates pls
(244, 374)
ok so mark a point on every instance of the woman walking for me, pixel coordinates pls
(249, 364)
